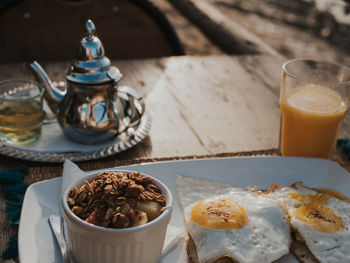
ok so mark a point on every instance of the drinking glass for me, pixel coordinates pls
(314, 99)
(21, 111)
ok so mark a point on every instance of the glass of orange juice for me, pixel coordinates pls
(314, 99)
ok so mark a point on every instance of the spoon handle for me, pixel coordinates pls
(57, 228)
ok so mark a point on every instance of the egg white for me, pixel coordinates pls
(326, 247)
(264, 238)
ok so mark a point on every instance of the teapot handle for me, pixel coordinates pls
(133, 105)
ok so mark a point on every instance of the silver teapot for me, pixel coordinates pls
(92, 108)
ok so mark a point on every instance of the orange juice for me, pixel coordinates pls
(310, 120)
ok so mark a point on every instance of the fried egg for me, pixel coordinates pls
(320, 218)
(232, 222)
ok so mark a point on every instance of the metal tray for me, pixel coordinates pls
(123, 142)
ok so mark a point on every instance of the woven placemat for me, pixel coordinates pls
(37, 174)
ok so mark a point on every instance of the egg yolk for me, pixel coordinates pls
(314, 212)
(219, 214)
(334, 193)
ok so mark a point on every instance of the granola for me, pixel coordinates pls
(117, 200)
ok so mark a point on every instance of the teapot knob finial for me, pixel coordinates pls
(90, 29)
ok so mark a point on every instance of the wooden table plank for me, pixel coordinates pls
(199, 105)
(222, 106)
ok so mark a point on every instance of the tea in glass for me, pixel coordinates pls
(21, 112)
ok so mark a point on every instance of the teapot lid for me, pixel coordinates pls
(91, 66)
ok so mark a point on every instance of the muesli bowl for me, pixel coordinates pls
(98, 244)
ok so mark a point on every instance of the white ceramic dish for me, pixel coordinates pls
(37, 245)
(109, 243)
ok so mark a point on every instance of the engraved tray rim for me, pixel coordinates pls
(59, 157)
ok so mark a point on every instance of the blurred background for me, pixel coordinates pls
(48, 30)
(294, 28)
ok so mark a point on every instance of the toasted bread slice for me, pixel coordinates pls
(299, 250)
(193, 258)
(302, 253)
(299, 253)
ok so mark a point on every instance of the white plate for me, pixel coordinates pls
(36, 243)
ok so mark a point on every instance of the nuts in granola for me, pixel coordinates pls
(117, 200)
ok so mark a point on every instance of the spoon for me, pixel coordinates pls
(56, 224)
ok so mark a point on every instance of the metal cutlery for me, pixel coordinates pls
(56, 223)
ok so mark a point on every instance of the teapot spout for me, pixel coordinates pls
(52, 94)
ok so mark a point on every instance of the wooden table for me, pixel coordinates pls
(200, 106)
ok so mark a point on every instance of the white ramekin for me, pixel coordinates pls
(95, 244)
